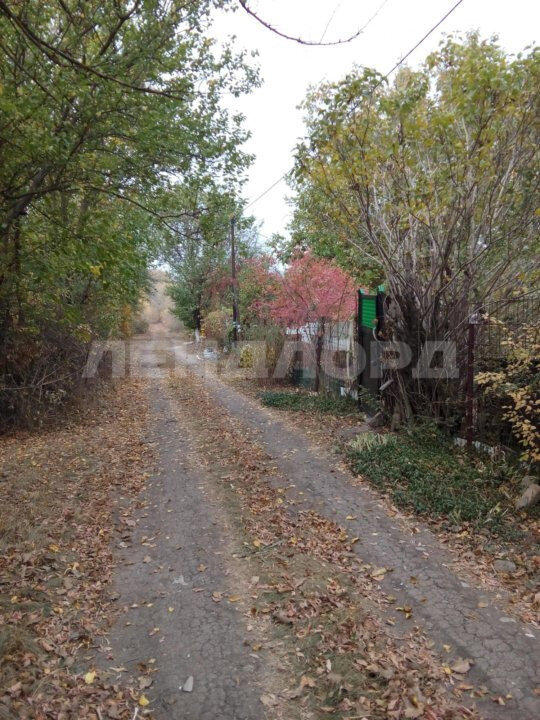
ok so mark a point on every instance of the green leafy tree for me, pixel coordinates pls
(430, 183)
(200, 257)
(107, 109)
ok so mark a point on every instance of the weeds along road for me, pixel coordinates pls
(264, 582)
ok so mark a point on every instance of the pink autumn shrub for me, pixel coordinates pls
(309, 291)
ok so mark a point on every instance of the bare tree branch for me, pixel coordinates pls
(300, 40)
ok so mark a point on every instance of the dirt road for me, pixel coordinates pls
(172, 569)
(185, 582)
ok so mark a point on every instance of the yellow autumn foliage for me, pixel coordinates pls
(518, 384)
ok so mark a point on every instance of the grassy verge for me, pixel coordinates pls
(424, 471)
(307, 402)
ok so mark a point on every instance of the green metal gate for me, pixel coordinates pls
(370, 318)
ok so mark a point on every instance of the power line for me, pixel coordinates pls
(267, 190)
(408, 54)
(332, 16)
(422, 39)
(384, 77)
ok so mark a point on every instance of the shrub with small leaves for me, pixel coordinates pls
(246, 357)
(518, 385)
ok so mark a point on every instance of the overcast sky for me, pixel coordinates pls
(288, 69)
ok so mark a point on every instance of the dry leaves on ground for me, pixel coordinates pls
(56, 524)
(326, 606)
(475, 552)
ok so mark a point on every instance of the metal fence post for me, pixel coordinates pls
(359, 341)
(471, 334)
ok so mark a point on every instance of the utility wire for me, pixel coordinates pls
(332, 16)
(384, 77)
(259, 197)
(432, 30)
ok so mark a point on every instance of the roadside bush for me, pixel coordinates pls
(140, 325)
(246, 357)
(267, 354)
(304, 402)
(517, 385)
(424, 471)
(39, 373)
(216, 326)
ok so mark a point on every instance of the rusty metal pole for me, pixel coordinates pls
(360, 345)
(318, 354)
(234, 288)
(470, 383)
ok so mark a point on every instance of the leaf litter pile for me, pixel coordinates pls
(59, 494)
(347, 656)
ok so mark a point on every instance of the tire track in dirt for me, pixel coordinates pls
(181, 620)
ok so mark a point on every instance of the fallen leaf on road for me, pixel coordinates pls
(90, 677)
(406, 610)
(281, 617)
(461, 666)
(414, 712)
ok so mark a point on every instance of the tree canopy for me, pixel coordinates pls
(437, 169)
(199, 258)
(310, 291)
(429, 183)
(111, 130)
